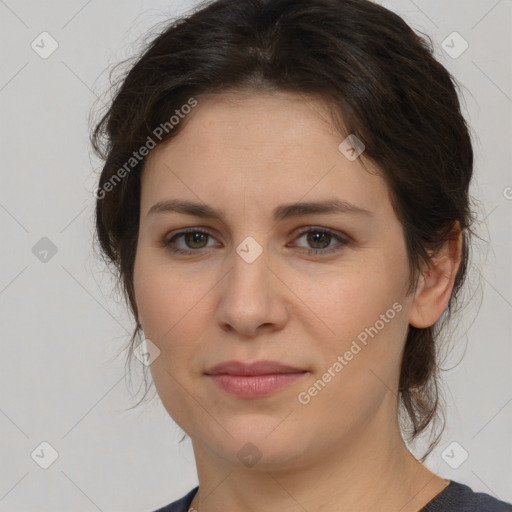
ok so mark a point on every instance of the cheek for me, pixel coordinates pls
(359, 364)
(360, 316)
(169, 303)
(164, 295)
(166, 298)
(350, 298)
(175, 310)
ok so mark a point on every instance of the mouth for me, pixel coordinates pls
(253, 380)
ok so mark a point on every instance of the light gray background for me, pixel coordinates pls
(62, 326)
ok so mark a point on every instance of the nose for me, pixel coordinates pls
(253, 300)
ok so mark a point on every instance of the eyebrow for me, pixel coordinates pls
(281, 212)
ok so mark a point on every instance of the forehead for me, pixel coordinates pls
(272, 148)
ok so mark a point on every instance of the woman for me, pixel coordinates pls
(285, 197)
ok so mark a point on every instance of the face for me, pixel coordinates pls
(247, 275)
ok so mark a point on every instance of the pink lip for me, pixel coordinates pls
(253, 380)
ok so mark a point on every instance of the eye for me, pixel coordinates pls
(193, 238)
(319, 239)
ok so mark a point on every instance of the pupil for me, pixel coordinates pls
(314, 238)
(194, 238)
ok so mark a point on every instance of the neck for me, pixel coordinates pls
(361, 473)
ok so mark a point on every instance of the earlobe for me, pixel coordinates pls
(435, 284)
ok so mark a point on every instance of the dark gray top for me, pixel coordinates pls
(456, 497)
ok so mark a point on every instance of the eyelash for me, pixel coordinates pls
(342, 241)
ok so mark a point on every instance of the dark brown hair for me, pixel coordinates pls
(384, 85)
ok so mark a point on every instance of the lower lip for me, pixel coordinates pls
(254, 386)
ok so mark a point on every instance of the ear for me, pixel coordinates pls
(436, 281)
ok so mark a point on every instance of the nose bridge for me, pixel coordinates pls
(249, 271)
(248, 297)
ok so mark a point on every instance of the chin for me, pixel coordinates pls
(257, 443)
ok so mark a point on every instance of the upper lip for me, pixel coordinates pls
(256, 368)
